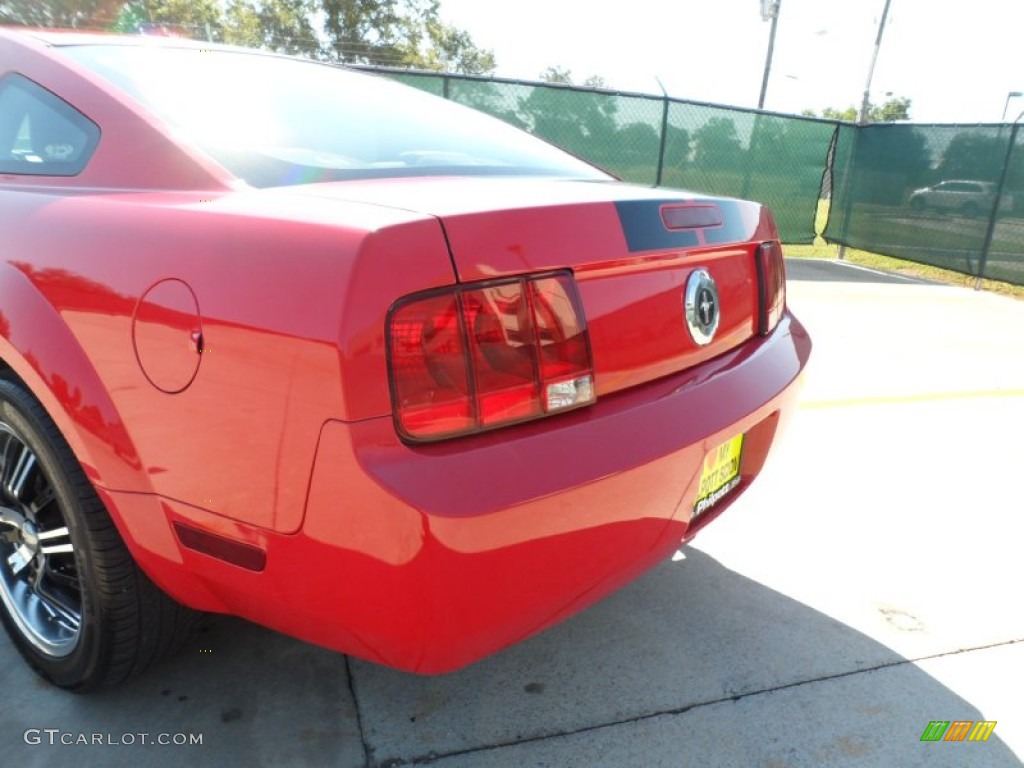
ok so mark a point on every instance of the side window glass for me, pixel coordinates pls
(41, 134)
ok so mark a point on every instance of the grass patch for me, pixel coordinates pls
(822, 250)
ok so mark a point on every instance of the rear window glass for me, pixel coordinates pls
(40, 134)
(276, 121)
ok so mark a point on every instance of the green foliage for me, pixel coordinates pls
(556, 74)
(60, 13)
(201, 19)
(716, 144)
(406, 33)
(677, 148)
(638, 142)
(894, 109)
(580, 121)
(891, 159)
(563, 75)
(849, 114)
(449, 49)
(891, 111)
(400, 33)
(281, 25)
(498, 99)
(365, 31)
(976, 155)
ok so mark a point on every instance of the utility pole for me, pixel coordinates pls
(862, 119)
(769, 11)
(865, 105)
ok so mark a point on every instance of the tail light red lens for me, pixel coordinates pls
(428, 366)
(771, 281)
(483, 355)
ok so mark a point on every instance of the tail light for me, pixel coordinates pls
(771, 281)
(474, 357)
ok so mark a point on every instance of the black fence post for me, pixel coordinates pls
(445, 90)
(993, 217)
(664, 138)
(752, 151)
(847, 185)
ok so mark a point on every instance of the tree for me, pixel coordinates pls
(638, 143)
(891, 111)
(59, 13)
(717, 145)
(976, 154)
(496, 99)
(890, 160)
(849, 114)
(582, 122)
(389, 32)
(563, 75)
(364, 31)
(894, 109)
(279, 25)
(400, 33)
(202, 19)
(556, 74)
(677, 147)
(449, 49)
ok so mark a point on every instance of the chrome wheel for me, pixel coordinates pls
(72, 599)
(39, 580)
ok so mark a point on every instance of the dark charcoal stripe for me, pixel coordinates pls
(645, 231)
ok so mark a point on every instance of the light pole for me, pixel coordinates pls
(865, 105)
(1006, 106)
(769, 12)
(862, 119)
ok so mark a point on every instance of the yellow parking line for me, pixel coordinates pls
(915, 398)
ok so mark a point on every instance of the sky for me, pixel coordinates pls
(956, 61)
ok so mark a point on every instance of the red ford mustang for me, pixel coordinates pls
(309, 347)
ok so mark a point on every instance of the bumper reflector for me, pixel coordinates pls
(235, 552)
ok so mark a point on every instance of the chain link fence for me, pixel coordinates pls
(662, 141)
(947, 195)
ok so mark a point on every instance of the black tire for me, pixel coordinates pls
(72, 599)
(971, 210)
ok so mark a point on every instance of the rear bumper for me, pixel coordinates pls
(428, 558)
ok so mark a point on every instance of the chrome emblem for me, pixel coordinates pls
(700, 306)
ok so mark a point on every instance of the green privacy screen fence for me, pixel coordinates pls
(654, 140)
(926, 193)
(947, 195)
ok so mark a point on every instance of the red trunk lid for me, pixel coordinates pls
(631, 249)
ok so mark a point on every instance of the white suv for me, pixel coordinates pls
(971, 198)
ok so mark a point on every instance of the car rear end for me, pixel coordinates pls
(557, 423)
(599, 374)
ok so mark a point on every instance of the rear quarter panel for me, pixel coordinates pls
(290, 299)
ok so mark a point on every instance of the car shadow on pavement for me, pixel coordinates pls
(693, 664)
